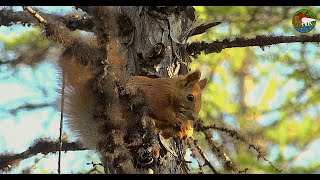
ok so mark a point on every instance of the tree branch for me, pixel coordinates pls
(261, 40)
(36, 163)
(61, 119)
(235, 134)
(217, 149)
(43, 146)
(31, 55)
(203, 28)
(204, 157)
(35, 14)
(9, 17)
(29, 107)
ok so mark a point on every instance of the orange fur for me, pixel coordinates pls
(79, 100)
(165, 97)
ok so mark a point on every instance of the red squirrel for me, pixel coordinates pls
(173, 103)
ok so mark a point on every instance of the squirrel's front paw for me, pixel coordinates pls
(179, 130)
(186, 131)
(183, 130)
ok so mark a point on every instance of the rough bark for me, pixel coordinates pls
(154, 47)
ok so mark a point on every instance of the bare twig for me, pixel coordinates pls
(261, 40)
(95, 164)
(94, 169)
(10, 17)
(220, 154)
(203, 28)
(35, 14)
(261, 156)
(238, 136)
(61, 120)
(27, 57)
(36, 163)
(29, 107)
(203, 155)
(82, 48)
(43, 146)
(195, 155)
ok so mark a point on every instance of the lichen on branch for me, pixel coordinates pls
(260, 40)
(43, 145)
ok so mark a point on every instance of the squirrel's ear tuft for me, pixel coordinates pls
(203, 83)
(190, 79)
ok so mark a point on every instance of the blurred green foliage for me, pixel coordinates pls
(271, 94)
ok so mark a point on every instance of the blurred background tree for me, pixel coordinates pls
(270, 95)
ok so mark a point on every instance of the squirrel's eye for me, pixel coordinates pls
(190, 97)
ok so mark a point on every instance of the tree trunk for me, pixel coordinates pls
(154, 45)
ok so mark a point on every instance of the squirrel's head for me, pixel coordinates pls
(189, 97)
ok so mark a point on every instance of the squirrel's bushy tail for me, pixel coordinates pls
(76, 75)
